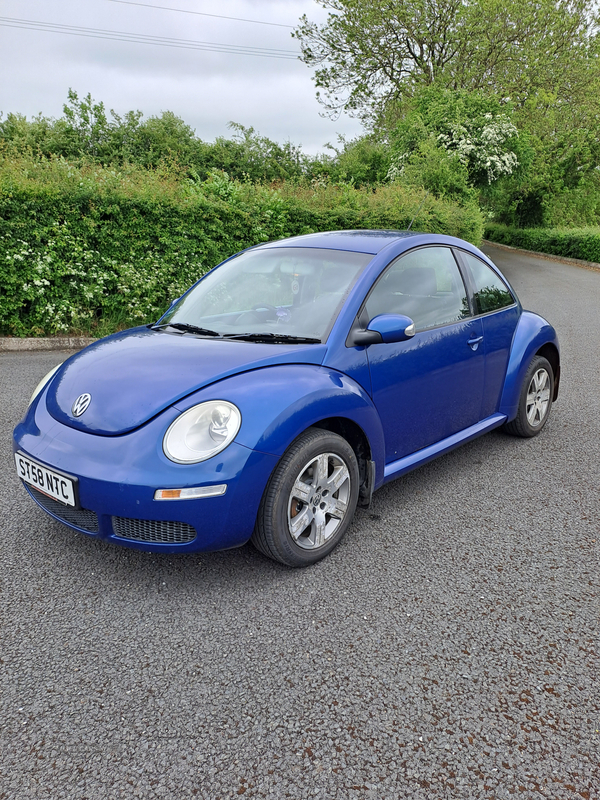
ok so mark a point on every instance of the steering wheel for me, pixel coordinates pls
(260, 308)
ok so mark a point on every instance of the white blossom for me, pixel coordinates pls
(482, 148)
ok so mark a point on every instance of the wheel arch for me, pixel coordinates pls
(550, 352)
(533, 336)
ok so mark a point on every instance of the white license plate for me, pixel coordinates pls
(50, 483)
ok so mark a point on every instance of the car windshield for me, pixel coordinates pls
(273, 294)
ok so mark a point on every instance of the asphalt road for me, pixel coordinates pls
(447, 649)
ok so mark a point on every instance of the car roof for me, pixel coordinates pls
(358, 241)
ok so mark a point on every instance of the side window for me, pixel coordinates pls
(425, 285)
(491, 293)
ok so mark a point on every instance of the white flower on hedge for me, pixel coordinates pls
(396, 169)
(483, 148)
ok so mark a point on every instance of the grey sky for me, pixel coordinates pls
(206, 89)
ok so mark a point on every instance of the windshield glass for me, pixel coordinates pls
(286, 291)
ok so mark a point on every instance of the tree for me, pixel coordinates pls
(85, 131)
(474, 128)
(163, 138)
(557, 182)
(85, 126)
(372, 53)
(19, 135)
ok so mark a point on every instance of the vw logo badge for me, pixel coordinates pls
(81, 404)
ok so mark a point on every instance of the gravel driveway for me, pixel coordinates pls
(447, 649)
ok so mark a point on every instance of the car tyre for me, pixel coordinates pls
(535, 400)
(309, 501)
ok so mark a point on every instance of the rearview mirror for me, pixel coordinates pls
(386, 328)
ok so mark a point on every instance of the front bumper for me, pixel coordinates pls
(118, 476)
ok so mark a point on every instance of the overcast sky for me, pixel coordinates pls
(207, 89)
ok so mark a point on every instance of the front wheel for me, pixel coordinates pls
(309, 501)
(535, 400)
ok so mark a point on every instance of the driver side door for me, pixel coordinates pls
(430, 386)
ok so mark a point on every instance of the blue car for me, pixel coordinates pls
(281, 390)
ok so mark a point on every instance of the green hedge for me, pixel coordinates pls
(91, 249)
(581, 243)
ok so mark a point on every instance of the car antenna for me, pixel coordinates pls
(417, 211)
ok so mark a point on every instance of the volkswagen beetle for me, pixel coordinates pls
(281, 390)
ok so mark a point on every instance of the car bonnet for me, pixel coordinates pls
(133, 376)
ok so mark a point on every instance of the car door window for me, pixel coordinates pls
(425, 285)
(491, 293)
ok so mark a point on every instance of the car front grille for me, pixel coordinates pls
(80, 517)
(150, 530)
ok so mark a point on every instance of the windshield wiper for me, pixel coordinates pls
(186, 328)
(272, 338)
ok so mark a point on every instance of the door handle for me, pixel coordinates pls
(473, 342)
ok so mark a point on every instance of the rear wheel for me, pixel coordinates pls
(309, 501)
(535, 400)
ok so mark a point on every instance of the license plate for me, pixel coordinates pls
(53, 484)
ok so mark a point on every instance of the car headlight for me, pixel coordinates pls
(42, 383)
(202, 432)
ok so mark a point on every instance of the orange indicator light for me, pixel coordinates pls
(168, 494)
(191, 493)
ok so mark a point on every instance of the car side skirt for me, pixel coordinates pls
(397, 468)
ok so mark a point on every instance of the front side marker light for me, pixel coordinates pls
(192, 493)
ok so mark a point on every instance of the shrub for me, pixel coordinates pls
(89, 249)
(581, 243)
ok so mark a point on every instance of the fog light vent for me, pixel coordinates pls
(152, 530)
(79, 517)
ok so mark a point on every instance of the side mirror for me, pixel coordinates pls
(172, 303)
(386, 328)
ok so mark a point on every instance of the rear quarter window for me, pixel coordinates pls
(491, 293)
